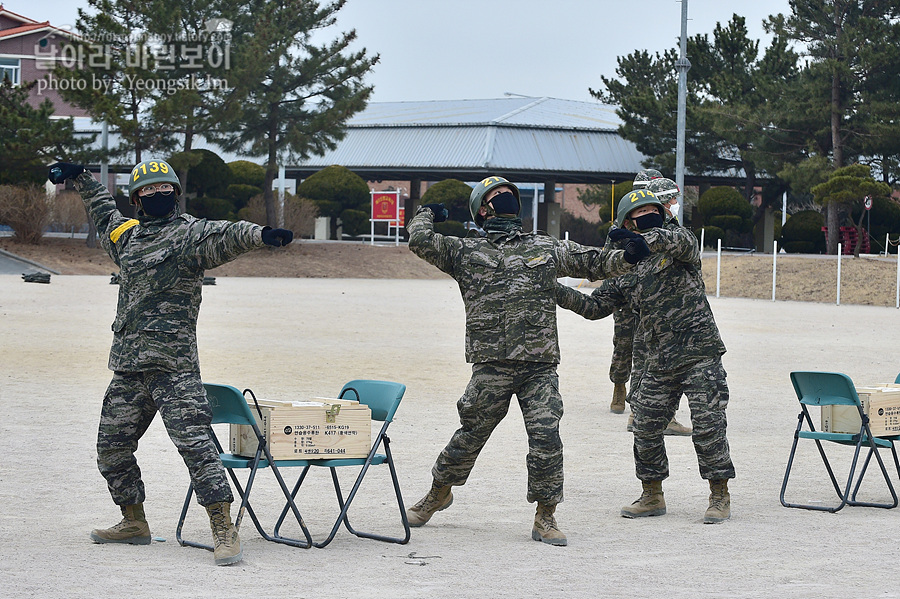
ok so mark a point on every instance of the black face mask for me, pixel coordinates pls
(159, 204)
(646, 222)
(505, 203)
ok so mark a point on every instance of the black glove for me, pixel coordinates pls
(636, 250)
(620, 233)
(440, 212)
(277, 237)
(61, 171)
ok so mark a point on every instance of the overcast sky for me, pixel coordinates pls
(477, 49)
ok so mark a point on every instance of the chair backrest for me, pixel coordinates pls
(228, 405)
(382, 397)
(897, 380)
(824, 388)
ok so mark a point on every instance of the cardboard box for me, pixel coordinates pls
(317, 429)
(881, 404)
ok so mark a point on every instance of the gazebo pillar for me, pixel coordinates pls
(549, 211)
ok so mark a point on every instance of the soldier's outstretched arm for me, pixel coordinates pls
(440, 250)
(602, 302)
(677, 241)
(593, 263)
(100, 205)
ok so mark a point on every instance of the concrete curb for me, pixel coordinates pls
(27, 261)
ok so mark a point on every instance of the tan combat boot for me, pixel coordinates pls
(630, 425)
(438, 498)
(545, 528)
(618, 401)
(133, 529)
(719, 508)
(678, 430)
(225, 536)
(650, 503)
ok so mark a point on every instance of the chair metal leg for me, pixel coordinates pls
(345, 506)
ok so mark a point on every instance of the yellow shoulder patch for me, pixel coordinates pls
(117, 232)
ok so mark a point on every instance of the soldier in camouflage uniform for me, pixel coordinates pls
(682, 354)
(625, 362)
(623, 331)
(507, 280)
(162, 256)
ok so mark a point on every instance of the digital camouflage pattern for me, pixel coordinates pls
(507, 282)
(161, 262)
(129, 406)
(677, 350)
(624, 324)
(642, 178)
(654, 405)
(486, 402)
(154, 349)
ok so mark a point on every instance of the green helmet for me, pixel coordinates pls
(664, 189)
(152, 171)
(644, 177)
(633, 200)
(482, 189)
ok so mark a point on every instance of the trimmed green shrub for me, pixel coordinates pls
(802, 233)
(711, 236)
(724, 200)
(453, 194)
(211, 208)
(336, 184)
(244, 172)
(728, 222)
(355, 222)
(240, 194)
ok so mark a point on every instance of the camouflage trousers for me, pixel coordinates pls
(486, 402)
(129, 406)
(654, 405)
(623, 345)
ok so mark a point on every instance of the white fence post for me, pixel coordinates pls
(718, 265)
(839, 276)
(774, 266)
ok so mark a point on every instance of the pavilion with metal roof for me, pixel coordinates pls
(523, 139)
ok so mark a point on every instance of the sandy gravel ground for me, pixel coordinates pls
(297, 338)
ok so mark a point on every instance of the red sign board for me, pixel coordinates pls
(386, 205)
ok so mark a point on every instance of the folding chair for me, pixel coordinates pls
(229, 406)
(383, 398)
(836, 389)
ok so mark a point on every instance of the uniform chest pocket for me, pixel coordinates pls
(484, 260)
(158, 270)
(541, 270)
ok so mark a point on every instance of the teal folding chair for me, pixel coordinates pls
(230, 407)
(383, 398)
(836, 389)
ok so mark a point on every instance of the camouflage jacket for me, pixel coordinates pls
(507, 282)
(161, 262)
(675, 323)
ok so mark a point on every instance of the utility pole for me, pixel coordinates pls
(682, 65)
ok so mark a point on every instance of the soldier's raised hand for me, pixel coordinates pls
(440, 212)
(636, 250)
(62, 171)
(277, 237)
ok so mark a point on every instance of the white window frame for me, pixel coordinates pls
(14, 70)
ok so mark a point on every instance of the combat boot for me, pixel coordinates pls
(545, 528)
(678, 430)
(719, 508)
(630, 425)
(618, 401)
(438, 498)
(650, 503)
(225, 536)
(133, 529)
